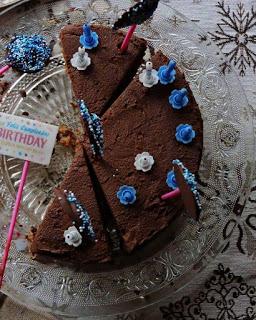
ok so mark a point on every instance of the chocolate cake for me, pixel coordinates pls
(135, 119)
(110, 70)
(143, 120)
(49, 238)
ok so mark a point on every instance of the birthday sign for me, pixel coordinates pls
(26, 139)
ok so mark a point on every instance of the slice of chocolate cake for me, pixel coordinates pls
(110, 70)
(142, 120)
(60, 216)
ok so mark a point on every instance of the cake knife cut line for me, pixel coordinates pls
(108, 220)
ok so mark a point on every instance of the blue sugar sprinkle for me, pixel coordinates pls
(86, 221)
(28, 53)
(95, 129)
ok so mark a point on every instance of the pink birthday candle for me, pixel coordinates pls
(4, 69)
(13, 220)
(171, 195)
(127, 38)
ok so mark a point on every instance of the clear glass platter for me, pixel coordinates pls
(5, 3)
(224, 177)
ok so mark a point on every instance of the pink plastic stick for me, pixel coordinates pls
(13, 220)
(4, 69)
(127, 38)
(171, 195)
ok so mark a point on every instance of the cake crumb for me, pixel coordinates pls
(4, 85)
(23, 93)
(31, 235)
(66, 137)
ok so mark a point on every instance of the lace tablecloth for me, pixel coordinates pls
(226, 289)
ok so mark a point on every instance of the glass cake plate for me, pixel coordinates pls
(224, 176)
(5, 3)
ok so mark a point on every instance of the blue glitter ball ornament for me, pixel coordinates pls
(167, 73)
(185, 133)
(171, 180)
(126, 195)
(28, 53)
(179, 98)
(89, 39)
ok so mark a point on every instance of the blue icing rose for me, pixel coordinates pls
(171, 180)
(126, 195)
(185, 133)
(89, 39)
(179, 98)
(167, 73)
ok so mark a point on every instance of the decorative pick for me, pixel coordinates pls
(35, 147)
(184, 184)
(89, 39)
(27, 54)
(137, 14)
(127, 38)
(187, 194)
(149, 76)
(171, 195)
(95, 129)
(80, 59)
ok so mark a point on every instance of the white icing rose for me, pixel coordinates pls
(73, 237)
(144, 161)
